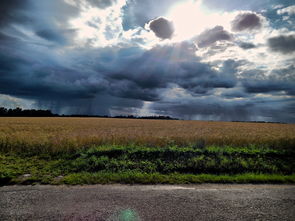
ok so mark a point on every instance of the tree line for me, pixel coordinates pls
(18, 112)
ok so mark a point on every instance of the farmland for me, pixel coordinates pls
(100, 150)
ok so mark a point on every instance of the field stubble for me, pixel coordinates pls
(65, 134)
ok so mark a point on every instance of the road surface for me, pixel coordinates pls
(148, 202)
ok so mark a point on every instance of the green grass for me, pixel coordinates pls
(147, 165)
(174, 178)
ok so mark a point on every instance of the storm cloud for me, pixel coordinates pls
(283, 43)
(13, 11)
(160, 67)
(213, 35)
(214, 108)
(139, 77)
(162, 27)
(110, 57)
(277, 81)
(246, 22)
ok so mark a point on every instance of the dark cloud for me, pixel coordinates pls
(210, 108)
(13, 11)
(38, 75)
(278, 80)
(131, 90)
(213, 35)
(47, 19)
(111, 71)
(39, 63)
(101, 104)
(215, 108)
(234, 93)
(246, 22)
(268, 86)
(7, 39)
(246, 45)
(51, 35)
(162, 27)
(174, 64)
(31, 13)
(283, 43)
(201, 78)
(50, 84)
(104, 80)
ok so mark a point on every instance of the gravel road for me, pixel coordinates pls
(148, 202)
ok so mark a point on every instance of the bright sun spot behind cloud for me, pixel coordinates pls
(190, 18)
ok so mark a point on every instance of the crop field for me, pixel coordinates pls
(104, 150)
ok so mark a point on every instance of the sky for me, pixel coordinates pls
(191, 59)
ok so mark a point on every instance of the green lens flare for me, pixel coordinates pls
(128, 215)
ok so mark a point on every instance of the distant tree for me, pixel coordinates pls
(18, 112)
(3, 111)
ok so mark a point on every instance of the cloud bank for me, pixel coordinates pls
(123, 57)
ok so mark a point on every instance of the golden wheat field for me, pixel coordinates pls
(71, 133)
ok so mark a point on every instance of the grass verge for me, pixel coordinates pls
(175, 178)
(147, 165)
